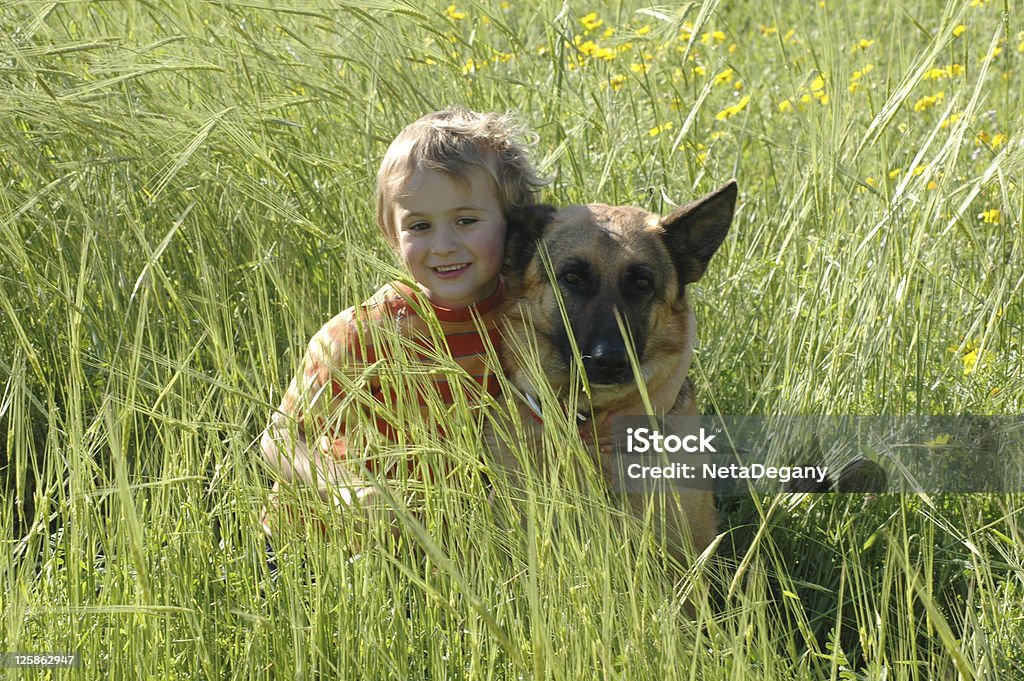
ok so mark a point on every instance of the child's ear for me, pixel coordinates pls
(524, 226)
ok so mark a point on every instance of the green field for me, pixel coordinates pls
(186, 196)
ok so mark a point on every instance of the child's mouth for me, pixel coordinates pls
(450, 271)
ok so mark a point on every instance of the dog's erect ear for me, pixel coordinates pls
(695, 231)
(524, 225)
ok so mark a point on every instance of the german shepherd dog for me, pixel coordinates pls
(577, 276)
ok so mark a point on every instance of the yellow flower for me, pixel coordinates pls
(992, 55)
(928, 101)
(938, 441)
(970, 362)
(505, 5)
(978, 3)
(919, 170)
(893, 174)
(863, 44)
(868, 68)
(591, 21)
(767, 30)
(617, 81)
(591, 49)
(713, 37)
(951, 120)
(818, 84)
(738, 85)
(998, 140)
(699, 70)
(933, 185)
(643, 30)
(723, 77)
(639, 68)
(958, 30)
(658, 129)
(452, 13)
(857, 75)
(788, 38)
(990, 216)
(608, 32)
(948, 71)
(786, 105)
(472, 66)
(733, 110)
(983, 137)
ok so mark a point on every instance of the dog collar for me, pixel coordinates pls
(538, 414)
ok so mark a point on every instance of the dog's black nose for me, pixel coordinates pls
(608, 363)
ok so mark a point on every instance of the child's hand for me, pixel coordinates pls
(299, 462)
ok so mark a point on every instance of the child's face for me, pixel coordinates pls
(451, 236)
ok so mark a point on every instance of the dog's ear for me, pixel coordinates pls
(524, 226)
(695, 231)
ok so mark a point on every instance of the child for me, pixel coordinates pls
(443, 189)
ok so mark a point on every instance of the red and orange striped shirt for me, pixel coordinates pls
(376, 356)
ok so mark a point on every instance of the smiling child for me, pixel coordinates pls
(443, 190)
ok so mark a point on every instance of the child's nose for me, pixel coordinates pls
(445, 240)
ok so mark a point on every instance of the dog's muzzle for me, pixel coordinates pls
(607, 363)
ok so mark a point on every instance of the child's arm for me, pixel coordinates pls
(308, 405)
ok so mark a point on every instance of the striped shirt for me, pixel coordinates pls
(375, 356)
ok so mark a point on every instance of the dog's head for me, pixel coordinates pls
(613, 267)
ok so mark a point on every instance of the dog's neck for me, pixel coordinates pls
(533, 404)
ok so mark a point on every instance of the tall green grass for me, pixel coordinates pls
(185, 197)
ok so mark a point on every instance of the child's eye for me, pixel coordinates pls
(467, 221)
(418, 227)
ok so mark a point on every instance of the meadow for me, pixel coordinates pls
(186, 196)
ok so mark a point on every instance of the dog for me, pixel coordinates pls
(580, 275)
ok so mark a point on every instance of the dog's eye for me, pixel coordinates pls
(572, 278)
(643, 285)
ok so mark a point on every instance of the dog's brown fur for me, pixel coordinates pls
(608, 259)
